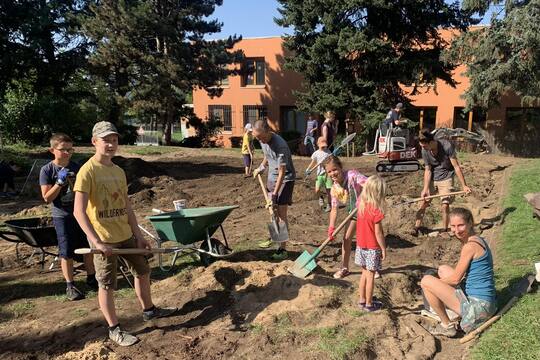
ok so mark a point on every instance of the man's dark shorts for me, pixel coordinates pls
(70, 236)
(285, 194)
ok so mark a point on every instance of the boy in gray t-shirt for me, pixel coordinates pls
(281, 175)
(440, 161)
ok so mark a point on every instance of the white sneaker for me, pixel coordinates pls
(122, 338)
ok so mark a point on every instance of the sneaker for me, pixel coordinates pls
(122, 338)
(440, 329)
(375, 306)
(92, 283)
(341, 273)
(280, 254)
(158, 312)
(266, 244)
(72, 293)
(377, 275)
(328, 208)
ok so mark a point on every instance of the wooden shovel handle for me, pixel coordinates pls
(432, 197)
(338, 229)
(265, 193)
(132, 251)
(488, 323)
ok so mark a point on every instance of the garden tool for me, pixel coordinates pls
(429, 197)
(131, 251)
(277, 229)
(305, 263)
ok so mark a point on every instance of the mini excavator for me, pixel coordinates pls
(392, 147)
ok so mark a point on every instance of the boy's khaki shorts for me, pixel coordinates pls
(106, 266)
(441, 188)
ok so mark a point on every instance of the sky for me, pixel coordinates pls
(250, 18)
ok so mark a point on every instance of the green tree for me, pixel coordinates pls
(152, 53)
(41, 52)
(355, 54)
(504, 56)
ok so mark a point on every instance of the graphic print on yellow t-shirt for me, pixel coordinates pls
(106, 187)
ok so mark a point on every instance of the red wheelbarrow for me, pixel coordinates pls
(187, 227)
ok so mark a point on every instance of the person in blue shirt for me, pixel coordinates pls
(468, 289)
(56, 180)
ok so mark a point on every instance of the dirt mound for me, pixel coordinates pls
(94, 351)
(136, 168)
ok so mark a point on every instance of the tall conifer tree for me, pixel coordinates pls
(503, 57)
(154, 52)
(355, 54)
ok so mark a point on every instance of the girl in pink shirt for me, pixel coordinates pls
(371, 247)
(345, 191)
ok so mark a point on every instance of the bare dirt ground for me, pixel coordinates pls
(247, 307)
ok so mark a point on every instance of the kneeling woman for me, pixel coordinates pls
(476, 301)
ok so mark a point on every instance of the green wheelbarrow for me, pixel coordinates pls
(187, 228)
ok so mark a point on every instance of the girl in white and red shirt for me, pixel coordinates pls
(371, 247)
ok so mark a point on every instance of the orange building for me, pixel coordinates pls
(265, 91)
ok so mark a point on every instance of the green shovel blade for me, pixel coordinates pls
(303, 265)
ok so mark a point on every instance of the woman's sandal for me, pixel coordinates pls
(341, 273)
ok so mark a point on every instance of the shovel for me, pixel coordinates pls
(429, 197)
(522, 287)
(305, 263)
(277, 229)
(343, 143)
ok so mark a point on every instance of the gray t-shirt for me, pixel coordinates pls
(277, 153)
(441, 167)
(392, 116)
(319, 156)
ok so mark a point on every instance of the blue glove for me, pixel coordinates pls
(62, 176)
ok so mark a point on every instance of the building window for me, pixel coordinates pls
(253, 72)
(425, 116)
(517, 115)
(253, 113)
(292, 119)
(461, 118)
(221, 113)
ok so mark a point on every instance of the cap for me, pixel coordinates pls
(248, 127)
(399, 106)
(104, 128)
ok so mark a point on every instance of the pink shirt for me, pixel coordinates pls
(353, 185)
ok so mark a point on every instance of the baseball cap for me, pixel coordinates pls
(104, 128)
(399, 106)
(248, 127)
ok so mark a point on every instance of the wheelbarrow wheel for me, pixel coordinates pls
(217, 247)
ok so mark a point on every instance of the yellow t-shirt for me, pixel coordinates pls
(106, 187)
(246, 142)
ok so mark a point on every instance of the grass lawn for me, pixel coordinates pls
(517, 334)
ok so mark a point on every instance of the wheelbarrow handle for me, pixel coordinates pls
(6, 236)
(133, 251)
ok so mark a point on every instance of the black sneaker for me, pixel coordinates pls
(92, 283)
(72, 293)
(157, 313)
